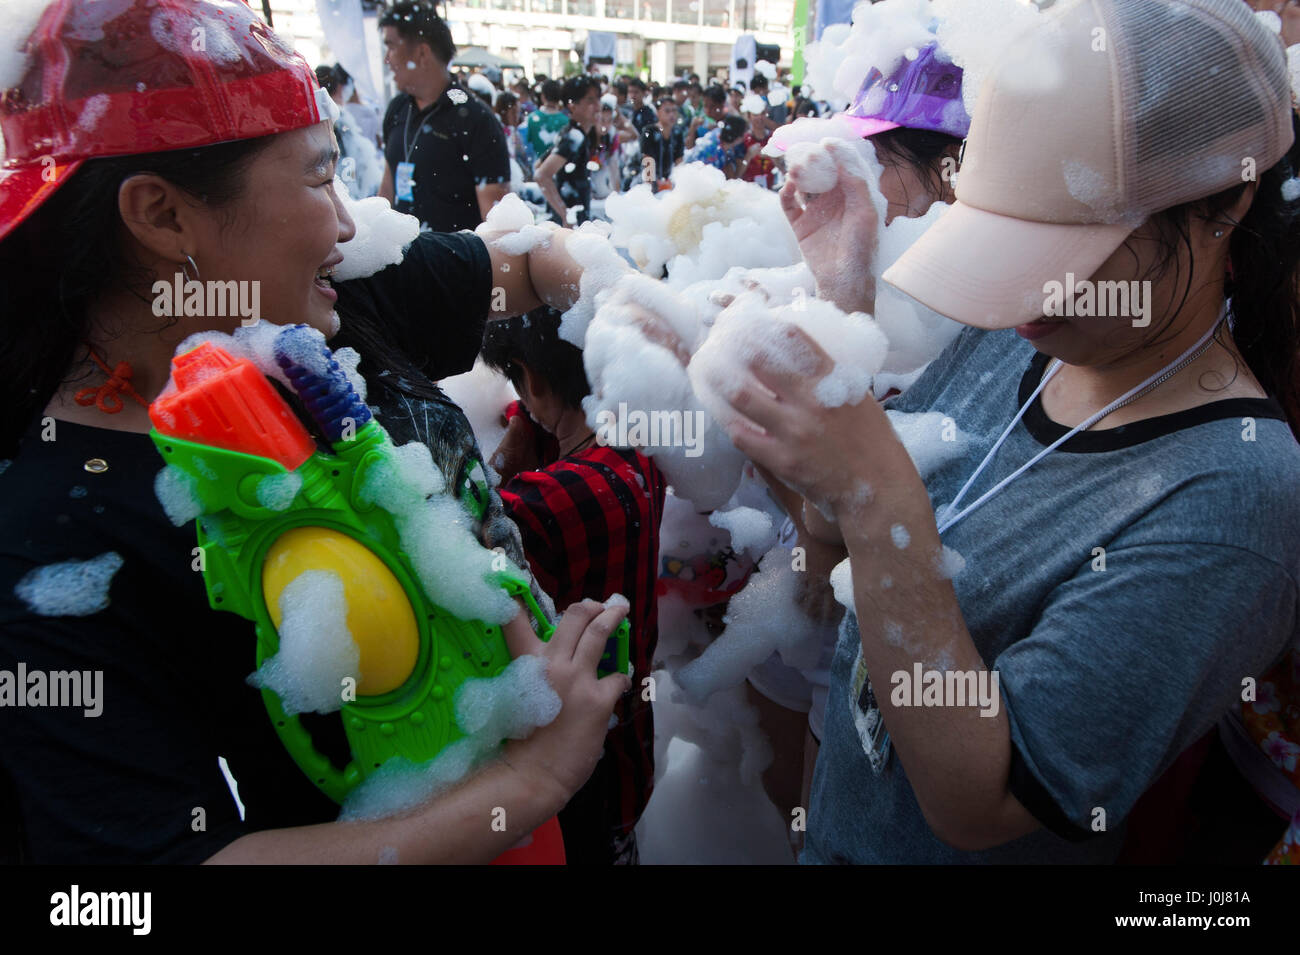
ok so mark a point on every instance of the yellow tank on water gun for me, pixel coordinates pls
(234, 439)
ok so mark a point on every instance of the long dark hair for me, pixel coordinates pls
(1264, 276)
(70, 252)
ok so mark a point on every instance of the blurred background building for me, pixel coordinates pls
(656, 39)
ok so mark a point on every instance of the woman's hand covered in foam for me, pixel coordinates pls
(837, 457)
(835, 224)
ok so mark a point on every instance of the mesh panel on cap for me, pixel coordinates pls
(1202, 86)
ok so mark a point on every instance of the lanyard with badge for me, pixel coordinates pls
(864, 708)
(404, 186)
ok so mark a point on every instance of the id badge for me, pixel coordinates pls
(405, 185)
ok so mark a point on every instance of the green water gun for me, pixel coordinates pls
(273, 506)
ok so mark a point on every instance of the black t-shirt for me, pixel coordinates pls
(643, 116)
(456, 145)
(574, 178)
(664, 148)
(125, 786)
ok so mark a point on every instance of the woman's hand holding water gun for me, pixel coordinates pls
(559, 757)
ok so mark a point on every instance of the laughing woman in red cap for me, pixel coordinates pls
(1047, 618)
(136, 151)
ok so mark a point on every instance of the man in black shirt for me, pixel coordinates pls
(642, 112)
(661, 144)
(563, 174)
(446, 159)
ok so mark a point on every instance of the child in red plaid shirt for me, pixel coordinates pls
(589, 518)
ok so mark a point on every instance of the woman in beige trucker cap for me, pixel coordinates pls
(1100, 554)
(136, 153)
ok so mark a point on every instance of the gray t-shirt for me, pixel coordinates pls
(1110, 663)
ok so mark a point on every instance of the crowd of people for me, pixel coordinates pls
(1121, 675)
(563, 144)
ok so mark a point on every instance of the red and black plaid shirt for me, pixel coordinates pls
(590, 527)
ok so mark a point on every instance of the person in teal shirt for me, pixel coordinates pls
(547, 124)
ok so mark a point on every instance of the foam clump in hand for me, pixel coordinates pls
(458, 573)
(824, 165)
(762, 618)
(509, 215)
(317, 652)
(749, 330)
(70, 588)
(526, 239)
(750, 529)
(817, 169)
(508, 706)
(381, 238)
(634, 378)
(509, 226)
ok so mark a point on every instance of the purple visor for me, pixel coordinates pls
(921, 94)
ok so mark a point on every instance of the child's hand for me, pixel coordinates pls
(563, 754)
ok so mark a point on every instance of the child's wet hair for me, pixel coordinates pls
(534, 340)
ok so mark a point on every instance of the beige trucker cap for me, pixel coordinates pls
(1102, 113)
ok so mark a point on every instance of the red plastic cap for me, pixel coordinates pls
(123, 77)
(227, 403)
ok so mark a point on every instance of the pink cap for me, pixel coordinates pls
(1104, 112)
